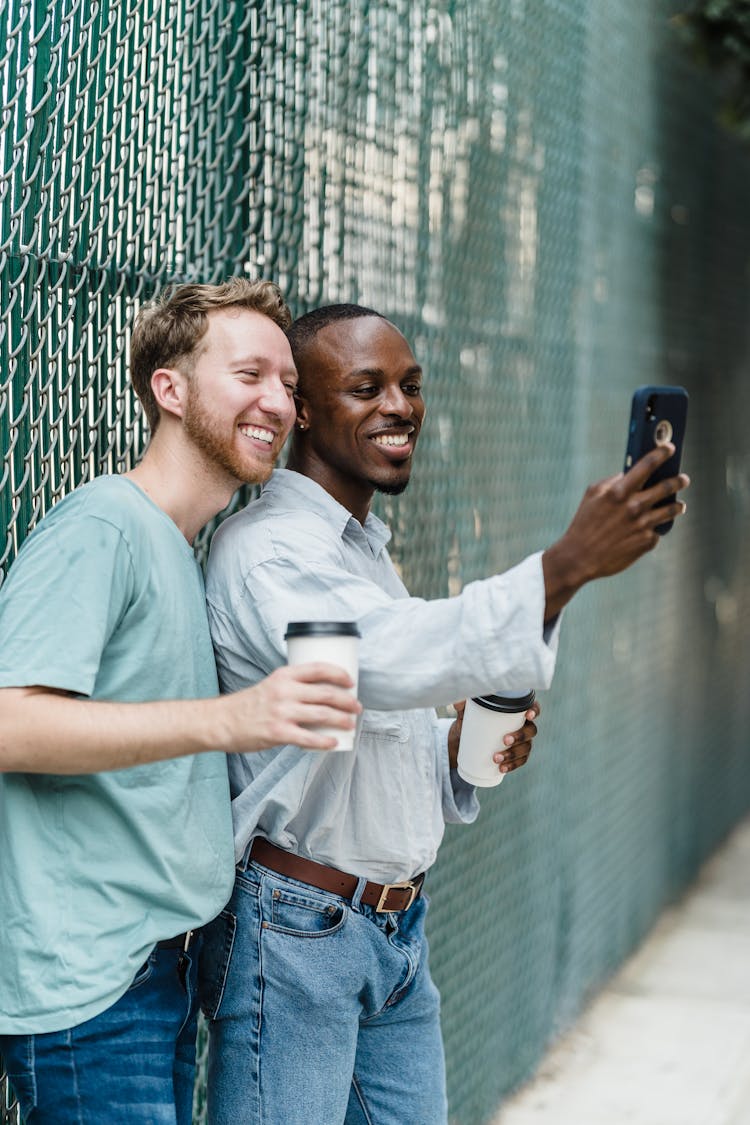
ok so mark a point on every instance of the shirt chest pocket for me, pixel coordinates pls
(384, 726)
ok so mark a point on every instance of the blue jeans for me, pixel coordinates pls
(133, 1064)
(322, 1011)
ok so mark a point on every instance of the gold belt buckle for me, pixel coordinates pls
(407, 885)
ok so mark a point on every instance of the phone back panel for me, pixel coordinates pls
(658, 414)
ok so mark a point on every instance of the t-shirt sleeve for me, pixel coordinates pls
(61, 602)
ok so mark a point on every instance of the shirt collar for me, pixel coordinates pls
(288, 483)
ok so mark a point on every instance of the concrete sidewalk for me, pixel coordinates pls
(668, 1041)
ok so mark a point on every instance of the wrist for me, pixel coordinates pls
(214, 725)
(564, 574)
(236, 723)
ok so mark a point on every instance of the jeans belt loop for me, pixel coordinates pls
(181, 942)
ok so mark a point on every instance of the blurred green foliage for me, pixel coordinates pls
(717, 32)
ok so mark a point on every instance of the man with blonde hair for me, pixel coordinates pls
(115, 826)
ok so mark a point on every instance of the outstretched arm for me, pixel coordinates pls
(47, 731)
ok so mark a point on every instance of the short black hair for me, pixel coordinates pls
(306, 327)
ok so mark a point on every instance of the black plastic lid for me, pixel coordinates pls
(321, 629)
(507, 703)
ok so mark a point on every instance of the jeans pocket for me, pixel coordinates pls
(17, 1057)
(304, 915)
(144, 973)
(214, 961)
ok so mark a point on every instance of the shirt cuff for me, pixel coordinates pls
(465, 803)
(460, 803)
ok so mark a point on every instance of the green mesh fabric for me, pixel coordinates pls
(537, 193)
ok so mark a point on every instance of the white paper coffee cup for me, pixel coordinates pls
(487, 720)
(333, 642)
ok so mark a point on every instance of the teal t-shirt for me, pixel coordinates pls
(105, 600)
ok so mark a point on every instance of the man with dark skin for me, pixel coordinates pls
(315, 978)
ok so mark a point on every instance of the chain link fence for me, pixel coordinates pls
(536, 192)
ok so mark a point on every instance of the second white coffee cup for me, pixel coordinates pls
(487, 720)
(334, 642)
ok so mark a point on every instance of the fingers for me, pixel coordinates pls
(636, 477)
(646, 506)
(525, 734)
(326, 695)
(310, 693)
(658, 516)
(518, 747)
(316, 671)
(640, 500)
(648, 515)
(300, 698)
(333, 704)
(664, 488)
(302, 723)
(515, 756)
(308, 714)
(308, 739)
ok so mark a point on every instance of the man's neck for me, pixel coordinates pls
(352, 495)
(186, 489)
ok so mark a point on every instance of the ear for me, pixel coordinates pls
(170, 390)
(303, 413)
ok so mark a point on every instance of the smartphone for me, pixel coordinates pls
(657, 415)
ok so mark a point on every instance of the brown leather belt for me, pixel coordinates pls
(381, 896)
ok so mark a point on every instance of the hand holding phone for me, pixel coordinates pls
(616, 519)
(658, 415)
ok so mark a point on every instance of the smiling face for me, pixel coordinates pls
(240, 405)
(361, 409)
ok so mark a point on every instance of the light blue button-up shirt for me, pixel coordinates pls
(296, 554)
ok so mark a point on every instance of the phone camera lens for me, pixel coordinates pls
(663, 432)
